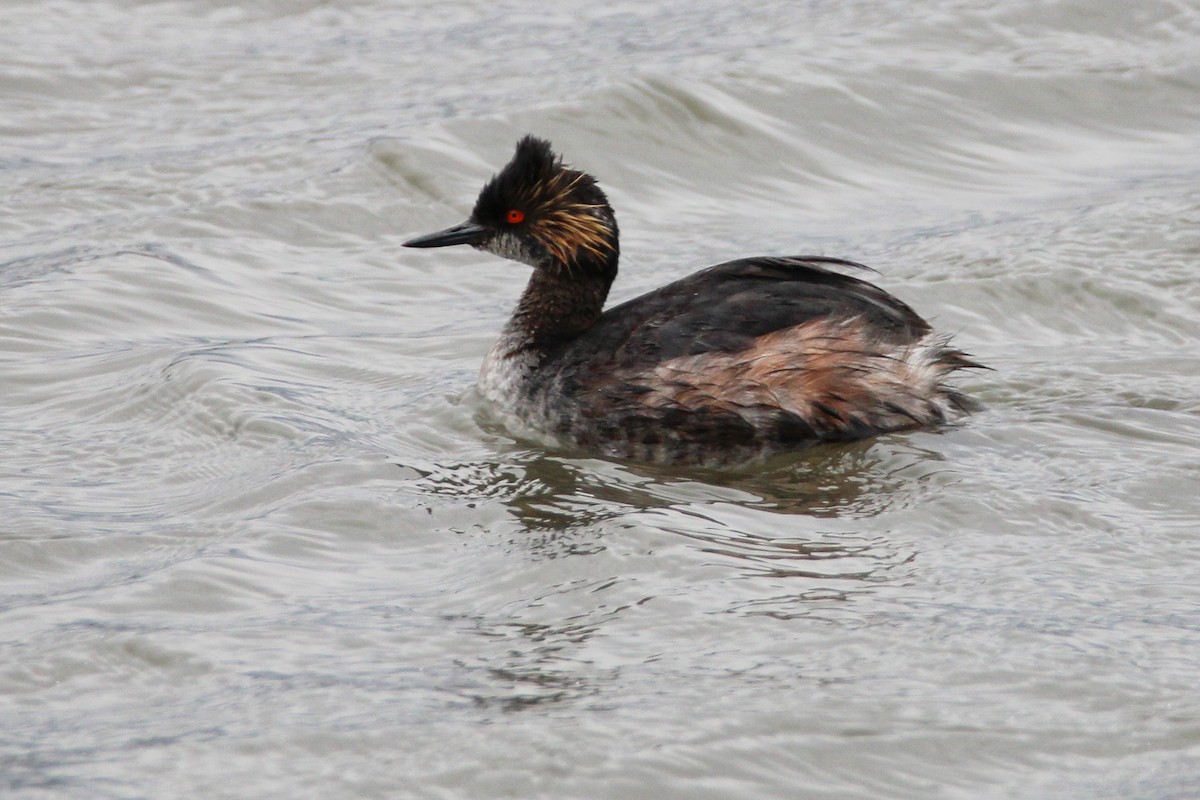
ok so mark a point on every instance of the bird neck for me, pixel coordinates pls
(558, 305)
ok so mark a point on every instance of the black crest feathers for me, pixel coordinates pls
(562, 208)
(522, 182)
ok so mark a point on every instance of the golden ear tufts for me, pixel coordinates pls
(569, 228)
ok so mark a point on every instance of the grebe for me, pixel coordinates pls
(732, 364)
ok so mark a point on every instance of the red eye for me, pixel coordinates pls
(514, 216)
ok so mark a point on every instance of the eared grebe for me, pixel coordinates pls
(733, 363)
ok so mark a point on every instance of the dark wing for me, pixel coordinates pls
(726, 307)
(748, 357)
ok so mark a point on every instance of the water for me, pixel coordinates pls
(259, 539)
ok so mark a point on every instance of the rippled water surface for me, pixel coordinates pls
(260, 540)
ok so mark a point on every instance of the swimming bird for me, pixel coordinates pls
(732, 364)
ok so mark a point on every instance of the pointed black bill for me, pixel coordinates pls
(464, 233)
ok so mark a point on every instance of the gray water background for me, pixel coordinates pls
(257, 538)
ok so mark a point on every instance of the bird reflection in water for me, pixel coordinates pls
(568, 506)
